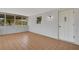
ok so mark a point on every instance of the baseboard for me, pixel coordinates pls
(43, 35)
(69, 42)
(13, 33)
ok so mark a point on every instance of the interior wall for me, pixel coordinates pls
(76, 25)
(47, 28)
(12, 29)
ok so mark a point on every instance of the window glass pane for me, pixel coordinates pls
(21, 20)
(9, 20)
(18, 18)
(24, 21)
(24, 17)
(2, 18)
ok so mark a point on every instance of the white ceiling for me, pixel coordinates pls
(25, 11)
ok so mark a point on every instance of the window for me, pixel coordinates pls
(9, 20)
(21, 20)
(18, 19)
(12, 19)
(2, 19)
(24, 21)
(39, 19)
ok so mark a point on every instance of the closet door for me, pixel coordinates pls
(66, 25)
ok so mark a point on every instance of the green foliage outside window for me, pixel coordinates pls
(39, 19)
(2, 22)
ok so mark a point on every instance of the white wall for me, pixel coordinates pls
(12, 29)
(48, 28)
(76, 25)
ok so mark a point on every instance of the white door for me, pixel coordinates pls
(66, 25)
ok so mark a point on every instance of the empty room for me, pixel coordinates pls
(39, 29)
